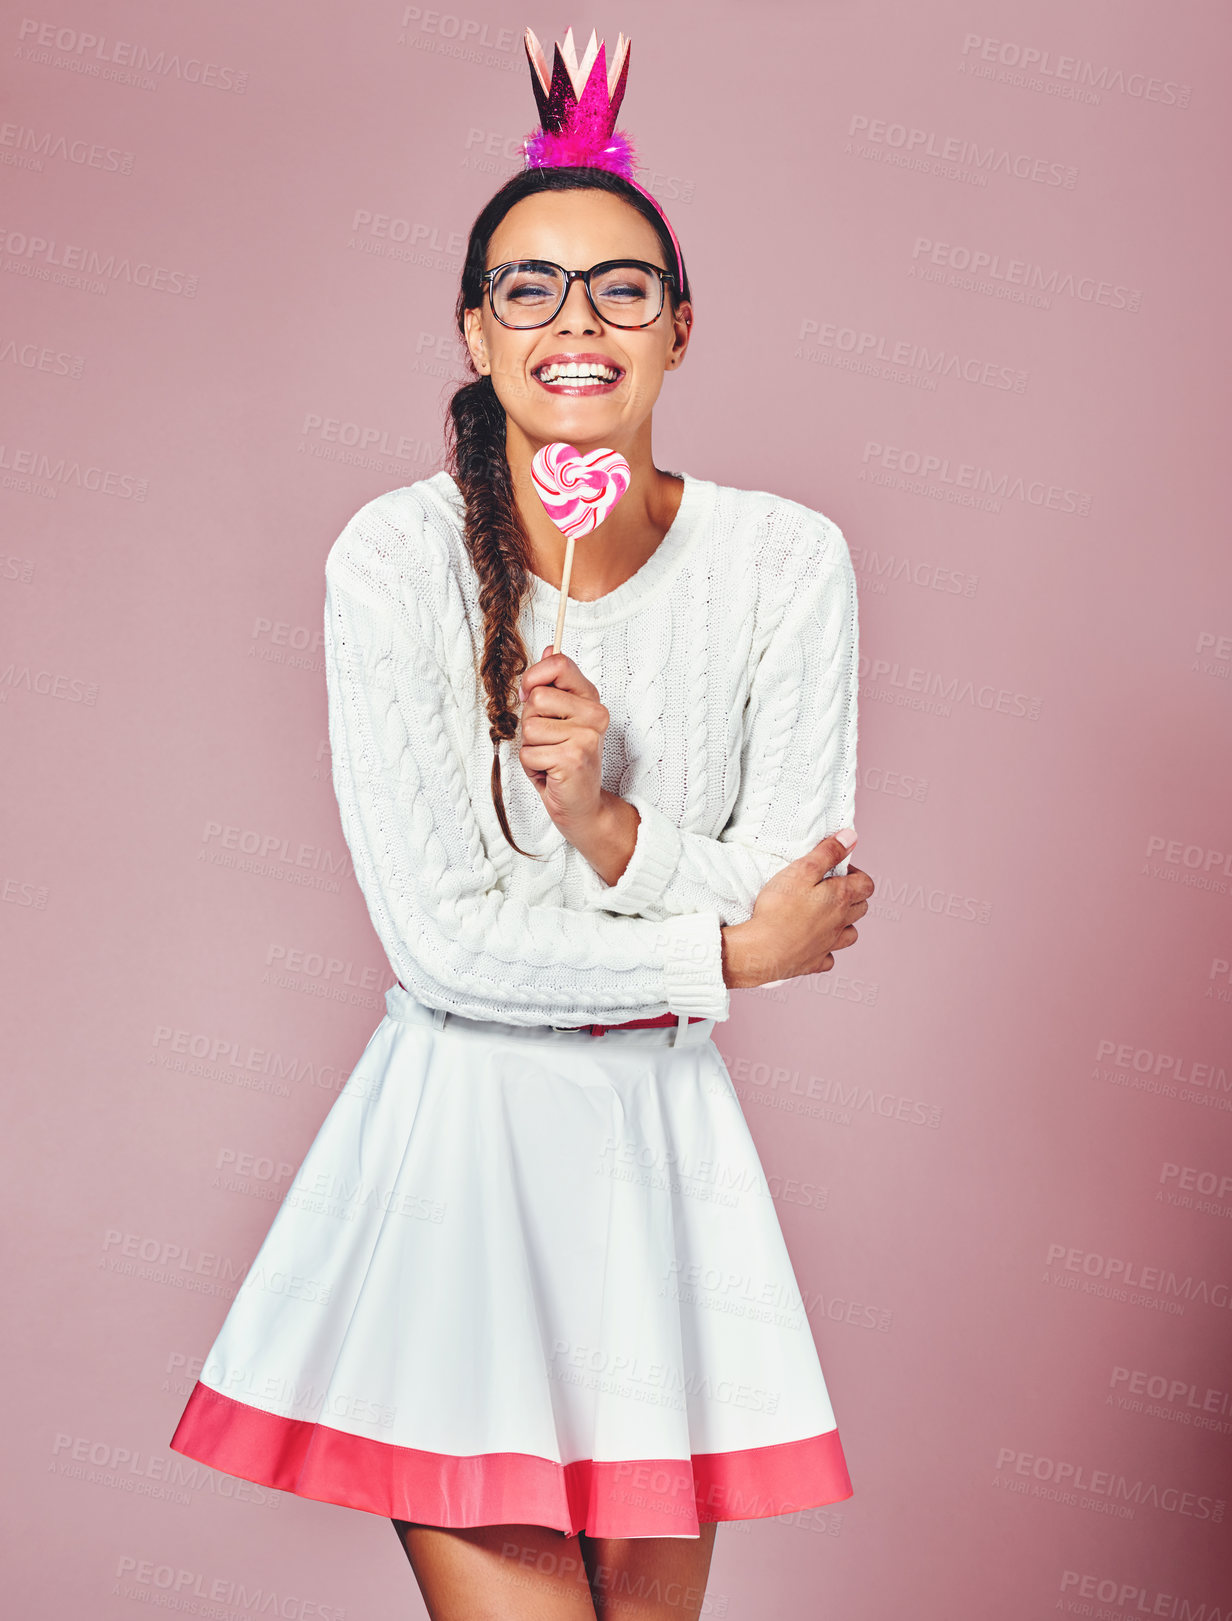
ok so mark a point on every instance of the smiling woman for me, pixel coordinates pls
(545, 1319)
(529, 391)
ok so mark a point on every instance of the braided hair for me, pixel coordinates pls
(496, 542)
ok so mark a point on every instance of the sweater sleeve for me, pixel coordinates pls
(452, 935)
(797, 767)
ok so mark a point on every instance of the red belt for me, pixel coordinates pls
(664, 1019)
(661, 1022)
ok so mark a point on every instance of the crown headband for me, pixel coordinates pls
(578, 103)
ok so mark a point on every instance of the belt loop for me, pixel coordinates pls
(676, 1036)
(438, 1018)
(697, 1032)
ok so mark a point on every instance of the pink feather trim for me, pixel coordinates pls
(575, 148)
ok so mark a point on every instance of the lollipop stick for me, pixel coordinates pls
(564, 593)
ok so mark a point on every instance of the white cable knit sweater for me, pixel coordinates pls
(728, 666)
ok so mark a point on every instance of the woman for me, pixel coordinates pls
(529, 1297)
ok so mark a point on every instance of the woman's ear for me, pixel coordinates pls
(473, 323)
(682, 326)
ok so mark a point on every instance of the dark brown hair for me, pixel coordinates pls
(495, 540)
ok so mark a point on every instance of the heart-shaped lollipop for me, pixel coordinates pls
(577, 493)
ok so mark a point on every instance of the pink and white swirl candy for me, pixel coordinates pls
(578, 491)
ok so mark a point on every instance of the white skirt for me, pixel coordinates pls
(529, 1277)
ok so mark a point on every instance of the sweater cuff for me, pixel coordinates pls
(655, 858)
(691, 947)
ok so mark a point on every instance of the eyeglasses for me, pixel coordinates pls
(622, 292)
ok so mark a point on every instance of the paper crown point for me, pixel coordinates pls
(591, 83)
(578, 103)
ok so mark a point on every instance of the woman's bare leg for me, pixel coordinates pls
(498, 1573)
(648, 1578)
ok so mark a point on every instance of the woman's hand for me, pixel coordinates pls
(563, 724)
(800, 919)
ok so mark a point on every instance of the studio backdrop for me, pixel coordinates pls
(961, 283)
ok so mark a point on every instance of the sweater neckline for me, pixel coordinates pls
(634, 592)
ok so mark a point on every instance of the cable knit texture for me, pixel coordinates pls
(728, 664)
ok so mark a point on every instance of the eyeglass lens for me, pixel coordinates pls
(529, 293)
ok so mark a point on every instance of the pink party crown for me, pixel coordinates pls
(578, 104)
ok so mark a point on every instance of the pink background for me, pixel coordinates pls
(999, 1131)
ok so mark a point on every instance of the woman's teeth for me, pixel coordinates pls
(577, 371)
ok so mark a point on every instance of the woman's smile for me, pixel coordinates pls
(578, 372)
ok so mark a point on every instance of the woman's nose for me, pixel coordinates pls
(576, 309)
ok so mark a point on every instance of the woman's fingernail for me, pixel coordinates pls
(846, 836)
